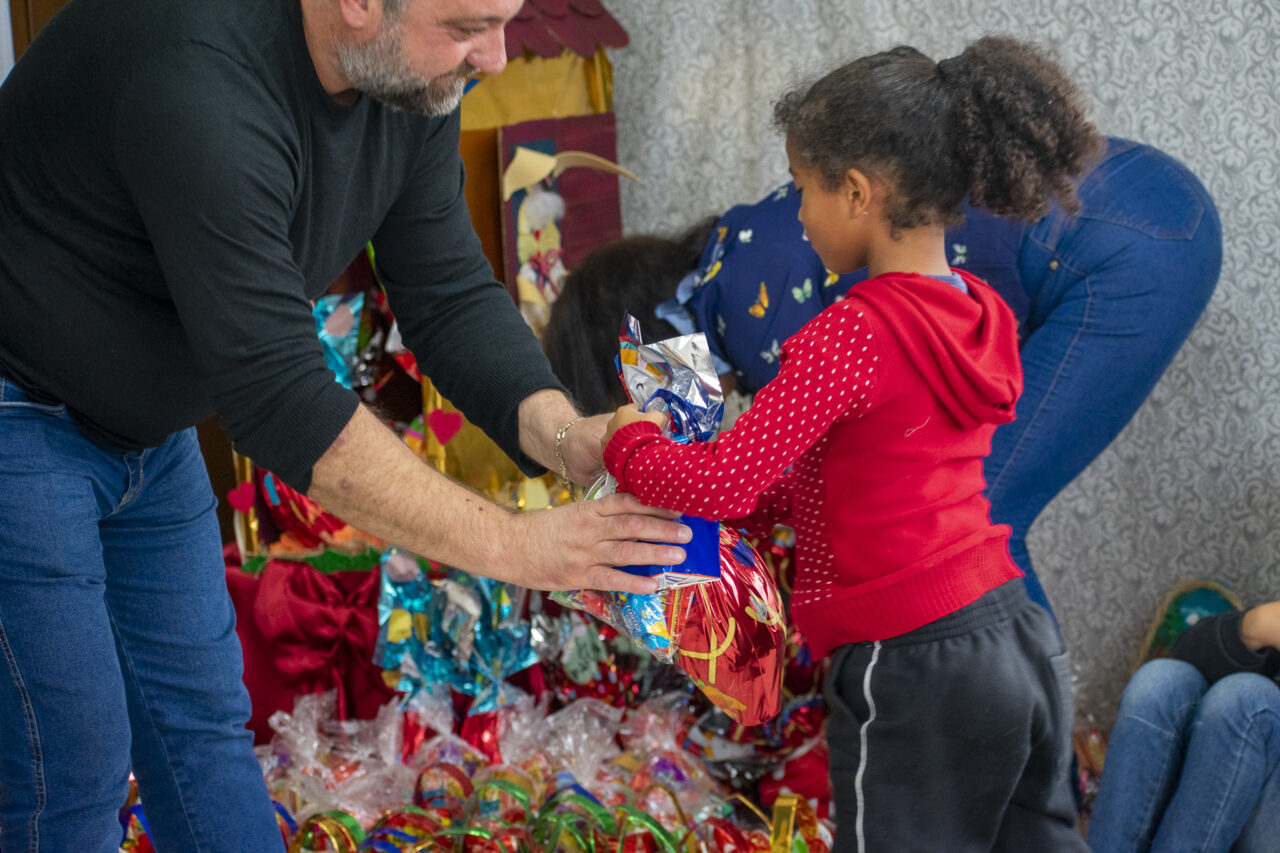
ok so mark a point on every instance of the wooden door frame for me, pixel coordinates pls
(22, 22)
(20, 25)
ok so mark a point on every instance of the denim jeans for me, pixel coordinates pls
(117, 647)
(1105, 300)
(1191, 767)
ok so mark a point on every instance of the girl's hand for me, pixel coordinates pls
(630, 415)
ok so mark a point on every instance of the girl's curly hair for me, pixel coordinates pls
(1001, 123)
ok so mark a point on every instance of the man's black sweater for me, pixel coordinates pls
(176, 186)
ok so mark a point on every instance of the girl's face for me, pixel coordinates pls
(830, 221)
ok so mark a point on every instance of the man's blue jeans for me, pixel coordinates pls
(117, 647)
(1191, 767)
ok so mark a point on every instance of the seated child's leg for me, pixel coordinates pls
(929, 732)
(1233, 750)
(1144, 754)
(1261, 832)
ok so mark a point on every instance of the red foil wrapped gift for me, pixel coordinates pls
(733, 639)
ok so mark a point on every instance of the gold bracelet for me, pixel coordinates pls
(560, 434)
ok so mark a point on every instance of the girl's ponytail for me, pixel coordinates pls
(1000, 123)
(1020, 130)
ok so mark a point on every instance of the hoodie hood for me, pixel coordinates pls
(964, 345)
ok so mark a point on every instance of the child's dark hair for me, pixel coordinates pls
(1001, 123)
(633, 275)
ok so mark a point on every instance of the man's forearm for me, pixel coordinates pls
(371, 480)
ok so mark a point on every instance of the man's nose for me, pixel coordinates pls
(490, 52)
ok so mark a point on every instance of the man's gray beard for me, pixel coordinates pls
(378, 69)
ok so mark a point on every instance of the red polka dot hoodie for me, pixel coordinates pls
(870, 444)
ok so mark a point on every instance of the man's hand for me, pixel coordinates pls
(627, 415)
(1261, 626)
(577, 545)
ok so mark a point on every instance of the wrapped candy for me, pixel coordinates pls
(317, 763)
(675, 376)
(733, 638)
(583, 657)
(442, 626)
(722, 626)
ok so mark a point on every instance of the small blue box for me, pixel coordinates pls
(701, 557)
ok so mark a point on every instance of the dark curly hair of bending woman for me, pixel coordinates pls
(631, 276)
(999, 123)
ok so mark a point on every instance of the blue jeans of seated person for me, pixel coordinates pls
(117, 647)
(1191, 767)
(1104, 300)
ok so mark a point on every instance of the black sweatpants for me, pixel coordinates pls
(955, 737)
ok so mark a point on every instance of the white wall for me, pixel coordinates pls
(1190, 488)
(6, 41)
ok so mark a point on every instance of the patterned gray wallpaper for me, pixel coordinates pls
(1192, 487)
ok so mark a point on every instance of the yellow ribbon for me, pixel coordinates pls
(715, 651)
(783, 826)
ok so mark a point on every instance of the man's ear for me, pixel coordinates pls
(361, 16)
(856, 190)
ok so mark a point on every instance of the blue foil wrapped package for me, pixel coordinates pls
(449, 628)
(338, 325)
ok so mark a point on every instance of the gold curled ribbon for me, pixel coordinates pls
(343, 831)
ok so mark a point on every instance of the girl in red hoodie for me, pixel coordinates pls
(948, 699)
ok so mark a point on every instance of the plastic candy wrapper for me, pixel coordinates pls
(338, 326)
(577, 740)
(806, 773)
(583, 657)
(442, 626)
(728, 635)
(674, 376)
(654, 621)
(317, 763)
(561, 784)
(352, 339)
(742, 755)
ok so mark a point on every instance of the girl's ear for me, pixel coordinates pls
(856, 191)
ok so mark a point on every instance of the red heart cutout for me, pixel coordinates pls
(241, 497)
(444, 424)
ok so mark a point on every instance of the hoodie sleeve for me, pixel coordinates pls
(829, 371)
(1215, 647)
